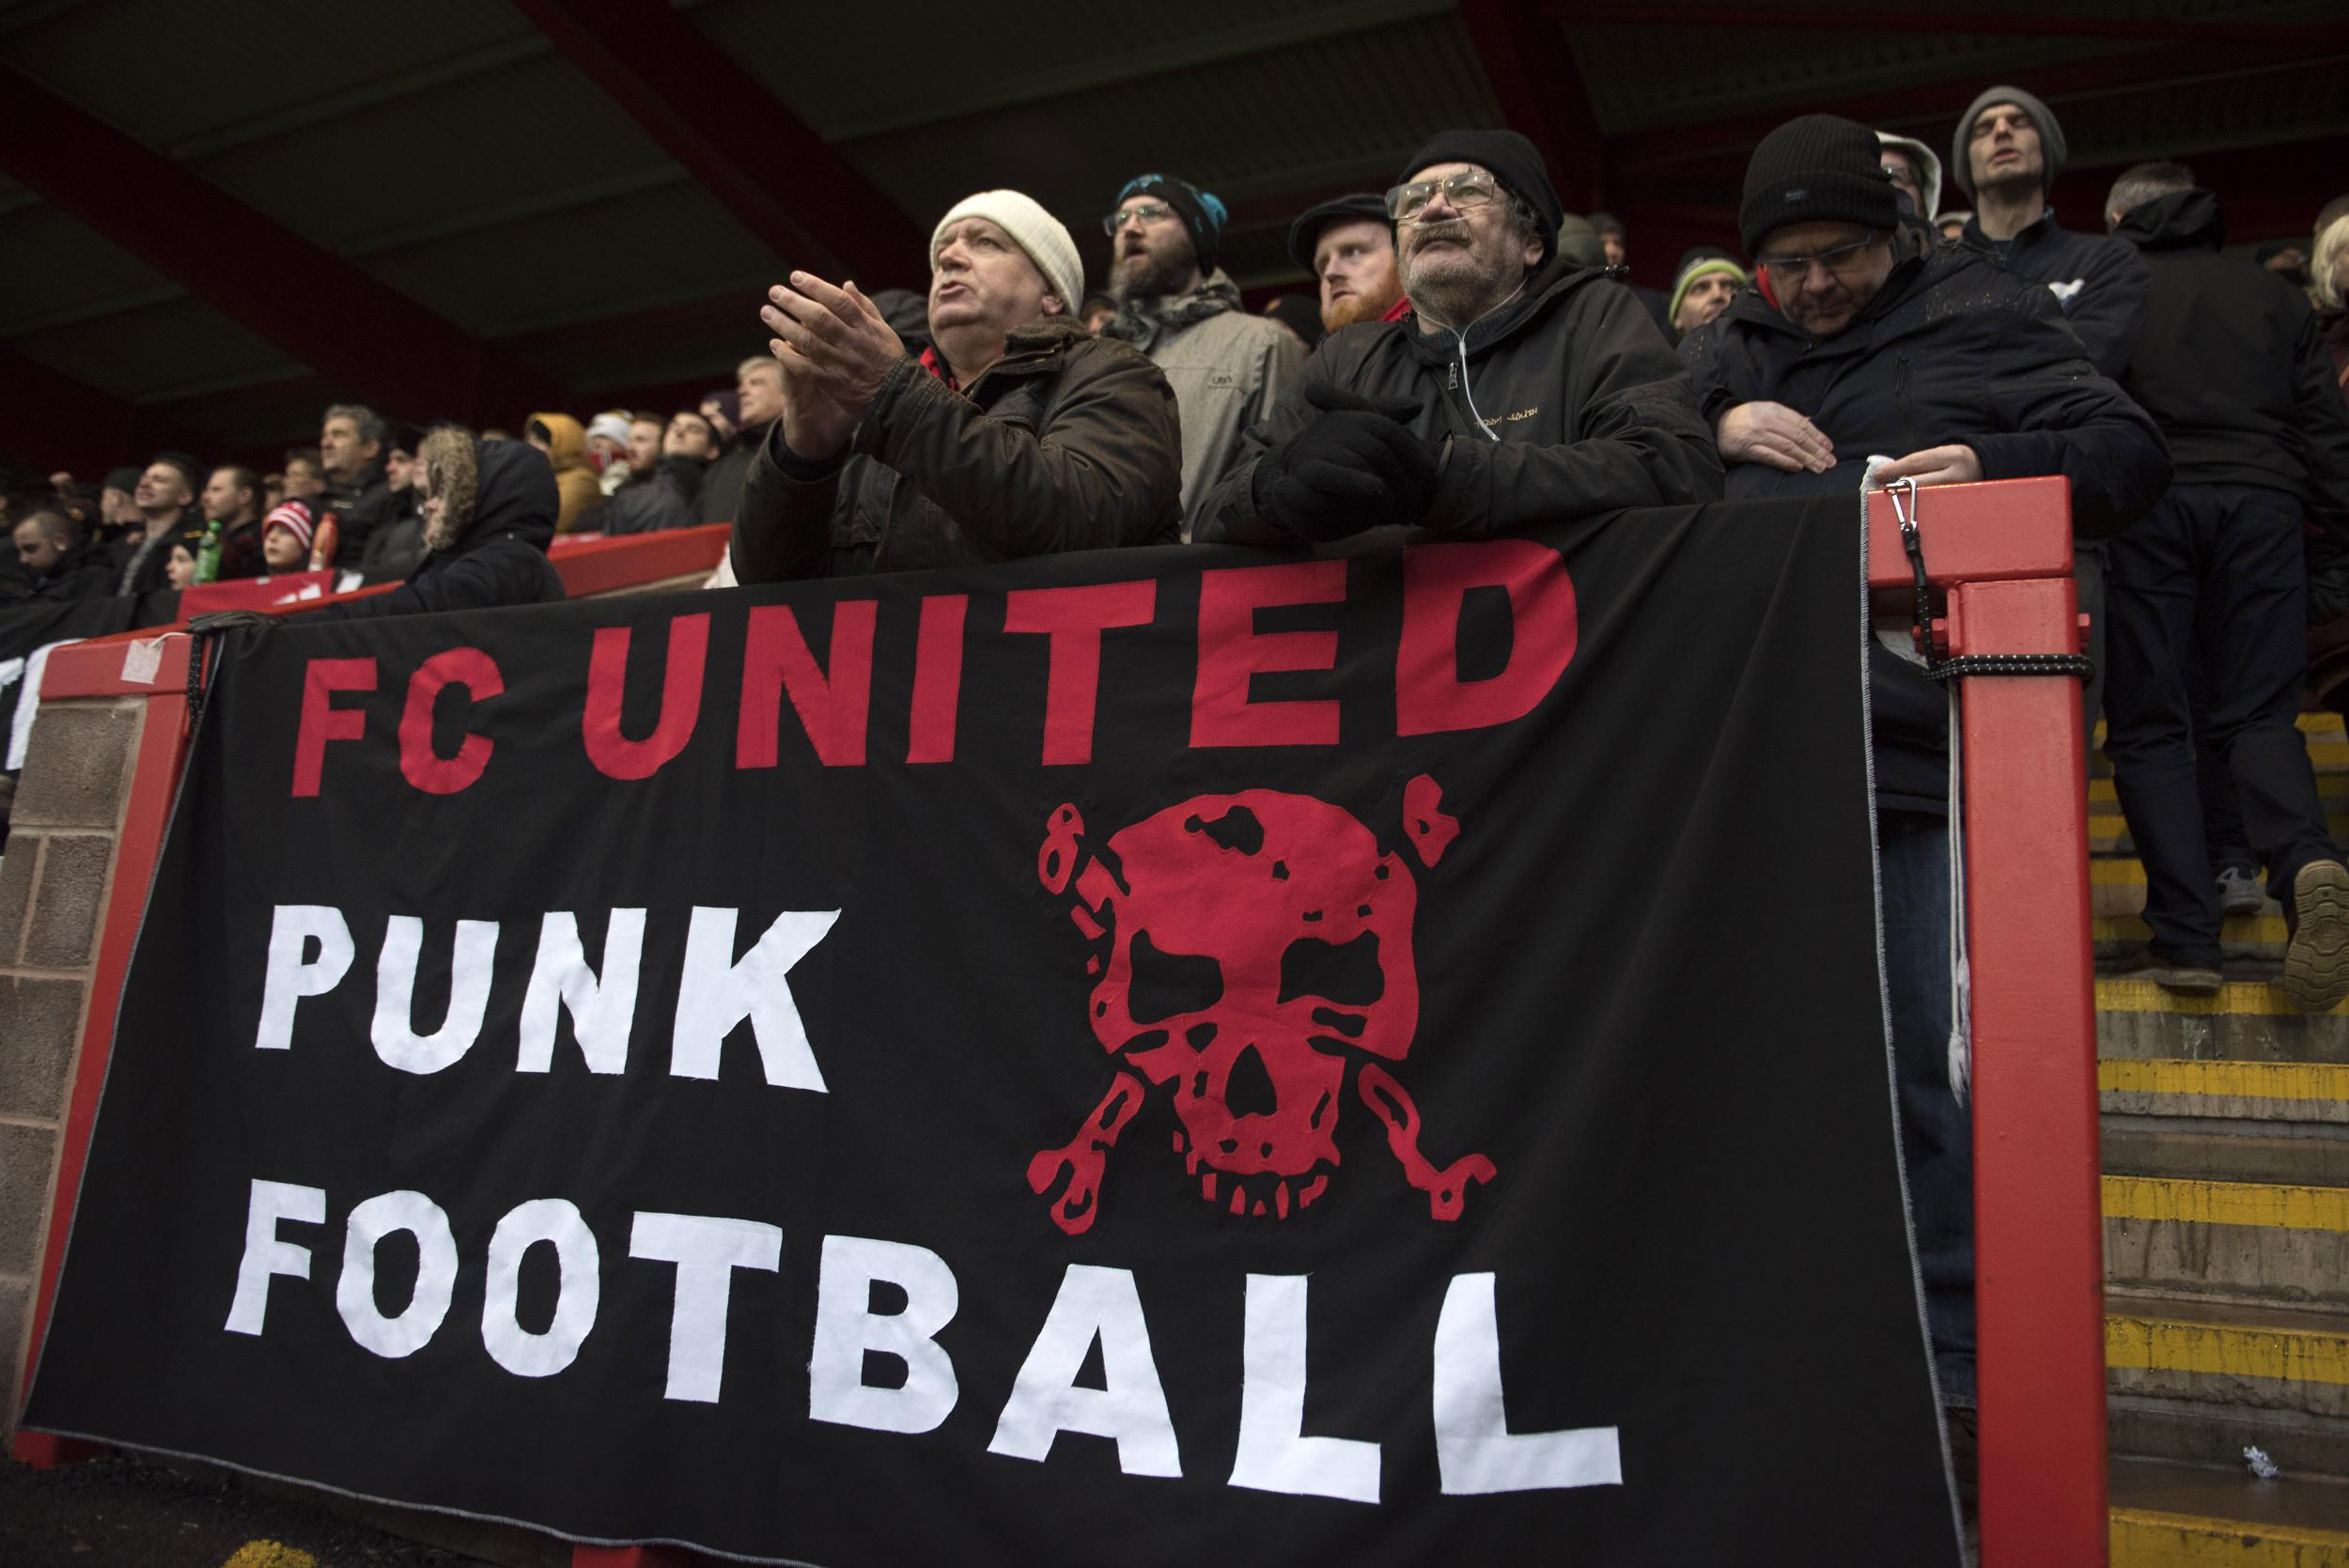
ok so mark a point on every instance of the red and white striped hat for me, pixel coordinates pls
(294, 517)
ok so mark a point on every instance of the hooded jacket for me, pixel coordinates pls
(1928, 168)
(1226, 368)
(490, 547)
(1067, 442)
(2233, 365)
(1564, 402)
(1953, 350)
(574, 477)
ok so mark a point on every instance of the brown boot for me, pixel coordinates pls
(2192, 980)
(2316, 963)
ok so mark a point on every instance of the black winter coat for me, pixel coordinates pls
(1067, 442)
(2233, 366)
(500, 557)
(82, 572)
(2098, 282)
(1563, 404)
(721, 485)
(397, 546)
(1953, 350)
(669, 497)
(360, 508)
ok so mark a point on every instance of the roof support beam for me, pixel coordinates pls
(752, 154)
(2135, 71)
(1533, 76)
(1978, 24)
(315, 306)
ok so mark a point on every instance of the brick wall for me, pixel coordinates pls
(55, 881)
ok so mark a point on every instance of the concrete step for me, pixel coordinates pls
(2247, 1022)
(2169, 1515)
(2197, 1149)
(2246, 1357)
(2189, 1431)
(2252, 1244)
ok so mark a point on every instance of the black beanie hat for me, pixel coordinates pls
(1201, 213)
(1510, 159)
(1305, 233)
(1817, 168)
(123, 479)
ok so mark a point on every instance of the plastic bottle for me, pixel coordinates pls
(323, 542)
(208, 551)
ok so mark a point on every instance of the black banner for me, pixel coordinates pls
(28, 630)
(1175, 1056)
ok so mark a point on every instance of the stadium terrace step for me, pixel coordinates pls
(2193, 1151)
(2264, 1356)
(2190, 1431)
(2167, 1516)
(2260, 937)
(2250, 1242)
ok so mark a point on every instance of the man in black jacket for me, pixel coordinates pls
(2006, 153)
(759, 389)
(1859, 342)
(351, 440)
(669, 495)
(61, 561)
(488, 513)
(2211, 589)
(1520, 388)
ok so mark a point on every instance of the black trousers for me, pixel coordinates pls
(2210, 586)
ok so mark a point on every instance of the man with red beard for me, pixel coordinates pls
(1348, 246)
(1174, 302)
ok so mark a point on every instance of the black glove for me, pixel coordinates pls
(1356, 467)
(220, 623)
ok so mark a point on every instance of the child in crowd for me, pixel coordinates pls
(285, 538)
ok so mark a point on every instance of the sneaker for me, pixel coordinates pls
(2191, 980)
(2239, 892)
(2316, 963)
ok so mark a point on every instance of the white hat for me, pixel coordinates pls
(1928, 167)
(1034, 231)
(613, 425)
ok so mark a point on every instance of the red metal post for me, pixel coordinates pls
(2003, 553)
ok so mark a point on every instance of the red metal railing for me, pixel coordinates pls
(2001, 553)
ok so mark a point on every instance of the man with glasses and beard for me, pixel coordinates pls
(1176, 305)
(1850, 346)
(1520, 389)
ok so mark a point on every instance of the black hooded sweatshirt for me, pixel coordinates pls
(1564, 403)
(2233, 366)
(499, 557)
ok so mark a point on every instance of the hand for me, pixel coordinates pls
(1934, 465)
(1354, 467)
(836, 334)
(815, 425)
(1774, 435)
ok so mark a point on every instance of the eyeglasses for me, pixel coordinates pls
(1466, 191)
(1144, 212)
(1839, 261)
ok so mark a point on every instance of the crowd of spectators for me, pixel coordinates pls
(1476, 362)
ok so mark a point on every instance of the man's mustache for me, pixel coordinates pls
(1455, 228)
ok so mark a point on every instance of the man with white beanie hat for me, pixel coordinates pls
(1016, 433)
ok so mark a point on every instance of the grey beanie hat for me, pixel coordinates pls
(2053, 149)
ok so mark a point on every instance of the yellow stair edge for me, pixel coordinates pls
(2231, 1081)
(2194, 1201)
(2143, 1538)
(2287, 1354)
(2237, 997)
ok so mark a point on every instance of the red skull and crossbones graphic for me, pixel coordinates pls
(1255, 941)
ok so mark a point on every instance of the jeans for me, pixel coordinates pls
(2211, 586)
(1936, 1132)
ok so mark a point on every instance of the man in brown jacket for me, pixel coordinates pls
(1018, 434)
